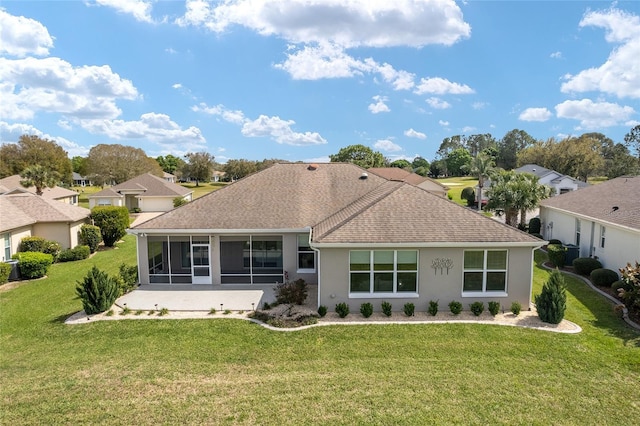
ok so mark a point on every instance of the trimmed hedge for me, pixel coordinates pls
(89, 235)
(5, 271)
(585, 265)
(33, 264)
(31, 244)
(556, 254)
(603, 277)
(76, 253)
(468, 194)
(113, 222)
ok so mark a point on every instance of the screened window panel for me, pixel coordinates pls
(496, 281)
(360, 282)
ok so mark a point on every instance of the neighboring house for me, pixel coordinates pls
(146, 192)
(560, 183)
(169, 177)
(358, 236)
(217, 176)
(603, 220)
(24, 214)
(395, 173)
(11, 184)
(79, 180)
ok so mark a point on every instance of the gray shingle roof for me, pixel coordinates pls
(339, 205)
(12, 183)
(598, 201)
(149, 185)
(395, 173)
(23, 209)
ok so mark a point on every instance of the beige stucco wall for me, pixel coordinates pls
(17, 235)
(114, 201)
(432, 285)
(159, 204)
(64, 233)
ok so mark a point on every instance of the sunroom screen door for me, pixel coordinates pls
(200, 264)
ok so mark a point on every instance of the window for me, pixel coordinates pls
(383, 272)
(602, 235)
(578, 232)
(306, 256)
(7, 247)
(485, 271)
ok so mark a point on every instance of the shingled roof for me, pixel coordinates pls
(12, 184)
(615, 201)
(25, 208)
(148, 185)
(342, 203)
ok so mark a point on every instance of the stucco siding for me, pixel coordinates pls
(17, 235)
(106, 201)
(160, 204)
(54, 231)
(621, 246)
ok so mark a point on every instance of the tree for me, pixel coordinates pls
(477, 144)
(199, 166)
(510, 145)
(619, 162)
(552, 301)
(450, 144)
(401, 164)
(438, 168)
(237, 169)
(31, 150)
(360, 155)
(39, 176)
(97, 291)
(481, 166)
(457, 161)
(420, 166)
(79, 165)
(511, 192)
(170, 163)
(632, 140)
(114, 163)
(113, 222)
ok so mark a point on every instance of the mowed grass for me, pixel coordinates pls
(223, 371)
(456, 185)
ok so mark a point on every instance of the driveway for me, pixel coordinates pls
(143, 217)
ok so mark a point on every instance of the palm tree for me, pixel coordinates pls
(39, 176)
(531, 195)
(482, 166)
(513, 192)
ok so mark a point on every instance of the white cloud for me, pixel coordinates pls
(152, 126)
(441, 86)
(20, 36)
(535, 114)
(556, 55)
(479, 105)
(177, 86)
(387, 145)
(139, 9)
(171, 50)
(324, 159)
(620, 74)
(10, 133)
(594, 115)
(347, 23)
(400, 79)
(414, 134)
(443, 123)
(468, 129)
(380, 105)
(322, 61)
(64, 124)
(264, 126)
(437, 103)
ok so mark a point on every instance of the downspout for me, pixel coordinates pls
(592, 249)
(317, 266)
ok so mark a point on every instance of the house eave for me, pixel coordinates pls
(533, 245)
(184, 231)
(593, 219)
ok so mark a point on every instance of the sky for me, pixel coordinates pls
(300, 79)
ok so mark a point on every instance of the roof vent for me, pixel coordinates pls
(312, 167)
(614, 208)
(364, 175)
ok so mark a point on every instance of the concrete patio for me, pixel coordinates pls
(204, 297)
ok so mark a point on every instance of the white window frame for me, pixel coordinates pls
(603, 232)
(390, 295)
(6, 254)
(485, 270)
(305, 250)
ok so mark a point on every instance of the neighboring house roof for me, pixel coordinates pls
(396, 173)
(147, 185)
(22, 209)
(166, 175)
(340, 204)
(615, 201)
(12, 184)
(543, 172)
(78, 176)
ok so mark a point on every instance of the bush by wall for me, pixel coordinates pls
(366, 309)
(113, 222)
(33, 264)
(433, 308)
(552, 301)
(556, 254)
(409, 309)
(5, 271)
(31, 244)
(455, 307)
(477, 308)
(89, 235)
(179, 201)
(291, 292)
(127, 278)
(76, 253)
(494, 307)
(97, 291)
(603, 277)
(535, 225)
(386, 308)
(469, 195)
(342, 309)
(584, 265)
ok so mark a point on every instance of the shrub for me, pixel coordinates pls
(53, 248)
(535, 225)
(552, 302)
(585, 265)
(477, 308)
(89, 235)
(516, 307)
(494, 308)
(5, 271)
(630, 293)
(468, 194)
(556, 254)
(179, 201)
(386, 308)
(555, 241)
(291, 292)
(366, 309)
(33, 264)
(76, 253)
(113, 222)
(433, 308)
(97, 291)
(266, 306)
(31, 244)
(455, 307)
(603, 277)
(127, 278)
(322, 310)
(342, 309)
(617, 285)
(409, 309)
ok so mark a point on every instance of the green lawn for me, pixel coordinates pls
(204, 188)
(456, 184)
(227, 371)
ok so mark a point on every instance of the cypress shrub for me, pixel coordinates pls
(5, 271)
(33, 264)
(556, 254)
(552, 302)
(89, 235)
(97, 291)
(603, 277)
(585, 265)
(113, 222)
(535, 225)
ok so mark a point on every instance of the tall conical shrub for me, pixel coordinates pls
(98, 291)
(552, 302)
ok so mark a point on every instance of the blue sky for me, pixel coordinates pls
(300, 79)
